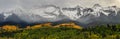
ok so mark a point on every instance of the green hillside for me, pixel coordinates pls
(61, 31)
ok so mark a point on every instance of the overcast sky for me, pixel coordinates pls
(5, 4)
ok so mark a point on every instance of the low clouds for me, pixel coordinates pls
(28, 4)
(5, 3)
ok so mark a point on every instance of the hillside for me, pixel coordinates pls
(61, 31)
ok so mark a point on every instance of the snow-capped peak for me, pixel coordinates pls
(54, 12)
(6, 15)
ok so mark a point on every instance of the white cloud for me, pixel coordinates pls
(5, 4)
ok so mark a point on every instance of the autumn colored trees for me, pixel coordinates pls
(9, 28)
(60, 31)
(68, 25)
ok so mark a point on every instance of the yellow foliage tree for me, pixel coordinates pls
(69, 25)
(47, 24)
(10, 28)
(36, 26)
(28, 27)
(41, 25)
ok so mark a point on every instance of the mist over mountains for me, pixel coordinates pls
(53, 13)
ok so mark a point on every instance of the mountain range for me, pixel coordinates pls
(52, 13)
